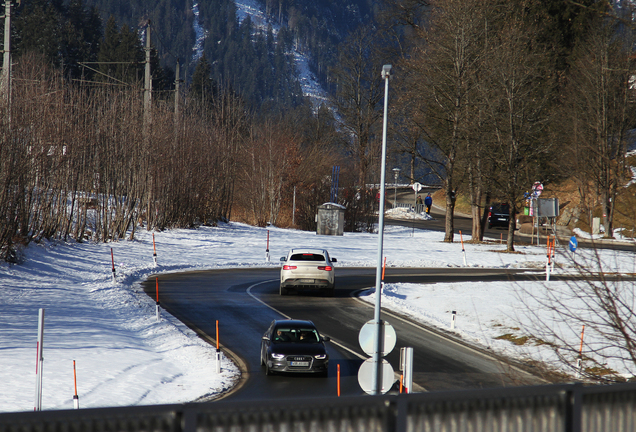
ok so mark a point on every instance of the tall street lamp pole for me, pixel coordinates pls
(377, 345)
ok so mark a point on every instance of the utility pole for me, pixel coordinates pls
(147, 81)
(6, 58)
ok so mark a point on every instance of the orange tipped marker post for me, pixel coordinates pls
(338, 379)
(154, 248)
(158, 308)
(461, 238)
(579, 361)
(218, 351)
(75, 397)
(267, 249)
(112, 258)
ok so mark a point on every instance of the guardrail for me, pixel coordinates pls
(554, 408)
(419, 208)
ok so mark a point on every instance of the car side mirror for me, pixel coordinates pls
(334, 260)
(326, 339)
(266, 338)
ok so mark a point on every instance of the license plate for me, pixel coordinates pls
(501, 219)
(296, 363)
(307, 280)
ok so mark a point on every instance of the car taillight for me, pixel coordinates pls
(288, 267)
(325, 268)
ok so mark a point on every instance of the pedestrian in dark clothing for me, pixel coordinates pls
(428, 202)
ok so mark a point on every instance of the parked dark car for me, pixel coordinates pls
(294, 346)
(499, 215)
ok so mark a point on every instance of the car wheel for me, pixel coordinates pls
(332, 292)
(282, 291)
(262, 362)
(268, 371)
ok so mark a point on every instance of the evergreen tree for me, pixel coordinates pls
(108, 51)
(203, 87)
(131, 56)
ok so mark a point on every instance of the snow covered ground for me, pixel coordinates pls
(125, 357)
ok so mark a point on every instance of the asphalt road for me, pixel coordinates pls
(245, 301)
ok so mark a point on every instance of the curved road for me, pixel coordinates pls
(245, 301)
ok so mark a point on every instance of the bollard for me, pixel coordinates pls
(453, 318)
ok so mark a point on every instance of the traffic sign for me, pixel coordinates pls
(366, 375)
(416, 187)
(367, 337)
(573, 244)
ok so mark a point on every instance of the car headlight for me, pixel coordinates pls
(278, 356)
(320, 356)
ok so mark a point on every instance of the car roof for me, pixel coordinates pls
(309, 250)
(293, 322)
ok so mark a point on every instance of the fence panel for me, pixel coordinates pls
(554, 408)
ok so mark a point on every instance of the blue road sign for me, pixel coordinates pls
(573, 244)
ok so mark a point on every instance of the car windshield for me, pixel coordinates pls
(295, 335)
(307, 257)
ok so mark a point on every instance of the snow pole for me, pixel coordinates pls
(579, 361)
(383, 268)
(547, 261)
(267, 250)
(553, 248)
(500, 238)
(158, 305)
(461, 238)
(39, 362)
(75, 396)
(154, 248)
(112, 259)
(453, 319)
(218, 351)
(338, 379)
(401, 382)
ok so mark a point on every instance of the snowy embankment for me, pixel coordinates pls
(125, 357)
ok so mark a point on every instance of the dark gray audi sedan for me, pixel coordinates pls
(294, 346)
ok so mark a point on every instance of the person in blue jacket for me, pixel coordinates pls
(428, 202)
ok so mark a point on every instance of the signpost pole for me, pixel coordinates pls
(377, 358)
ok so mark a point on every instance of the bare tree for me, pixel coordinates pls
(358, 98)
(515, 89)
(442, 74)
(591, 319)
(601, 111)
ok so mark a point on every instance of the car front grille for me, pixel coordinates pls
(293, 361)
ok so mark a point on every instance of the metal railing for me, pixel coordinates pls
(419, 208)
(554, 408)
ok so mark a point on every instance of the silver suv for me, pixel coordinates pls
(308, 268)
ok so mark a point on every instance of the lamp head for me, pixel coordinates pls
(386, 71)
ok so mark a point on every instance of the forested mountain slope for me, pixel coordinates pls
(251, 58)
